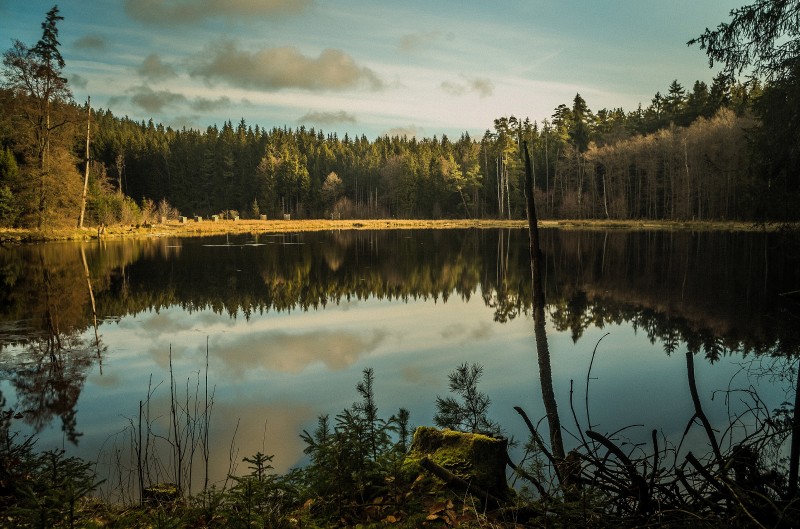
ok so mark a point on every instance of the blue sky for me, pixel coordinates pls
(373, 67)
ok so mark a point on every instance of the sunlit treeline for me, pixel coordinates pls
(684, 156)
(605, 164)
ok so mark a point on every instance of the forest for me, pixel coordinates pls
(717, 151)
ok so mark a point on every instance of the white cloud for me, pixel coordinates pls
(77, 81)
(154, 101)
(483, 86)
(154, 69)
(422, 40)
(91, 42)
(410, 131)
(284, 67)
(327, 118)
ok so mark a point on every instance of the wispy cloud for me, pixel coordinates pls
(91, 42)
(292, 353)
(78, 81)
(154, 101)
(285, 67)
(327, 118)
(422, 40)
(410, 131)
(202, 104)
(170, 12)
(454, 89)
(185, 122)
(483, 86)
(154, 69)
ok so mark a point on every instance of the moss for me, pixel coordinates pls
(161, 493)
(476, 458)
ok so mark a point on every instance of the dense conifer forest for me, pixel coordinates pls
(708, 152)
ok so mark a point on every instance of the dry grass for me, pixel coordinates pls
(208, 227)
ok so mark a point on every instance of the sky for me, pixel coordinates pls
(408, 67)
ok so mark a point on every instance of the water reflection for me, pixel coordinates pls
(260, 302)
(51, 357)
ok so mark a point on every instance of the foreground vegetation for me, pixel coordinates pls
(365, 471)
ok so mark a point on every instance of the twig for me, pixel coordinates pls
(522, 472)
(588, 378)
(636, 479)
(537, 438)
(698, 409)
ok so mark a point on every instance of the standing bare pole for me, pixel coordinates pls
(542, 347)
(533, 231)
(86, 173)
(94, 308)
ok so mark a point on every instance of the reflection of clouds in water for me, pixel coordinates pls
(348, 304)
(173, 321)
(284, 423)
(106, 381)
(160, 353)
(416, 375)
(292, 353)
(452, 331)
(237, 429)
(483, 331)
(207, 318)
(166, 322)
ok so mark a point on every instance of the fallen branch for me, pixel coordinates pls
(458, 483)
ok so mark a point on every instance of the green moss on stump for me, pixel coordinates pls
(161, 494)
(476, 458)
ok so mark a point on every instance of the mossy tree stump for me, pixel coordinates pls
(161, 494)
(474, 461)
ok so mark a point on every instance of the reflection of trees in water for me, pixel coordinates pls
(713, 292)
(48, 377)
(44, 354)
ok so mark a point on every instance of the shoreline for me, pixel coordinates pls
(191, 228)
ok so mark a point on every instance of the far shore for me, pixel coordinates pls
(208, 227)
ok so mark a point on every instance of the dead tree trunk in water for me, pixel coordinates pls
(542, 348)
(86, 174)
(794, 457)
(94, 308)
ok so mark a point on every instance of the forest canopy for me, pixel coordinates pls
(701, 153)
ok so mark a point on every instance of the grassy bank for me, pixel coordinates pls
(192, 228)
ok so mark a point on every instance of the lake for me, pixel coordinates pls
(276, 330)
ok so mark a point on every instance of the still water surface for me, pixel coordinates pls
(288, 322)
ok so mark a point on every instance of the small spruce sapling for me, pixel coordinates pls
(470, 414)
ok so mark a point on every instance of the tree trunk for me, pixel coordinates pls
(86, 172)
(542, 349)
(794, 457)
